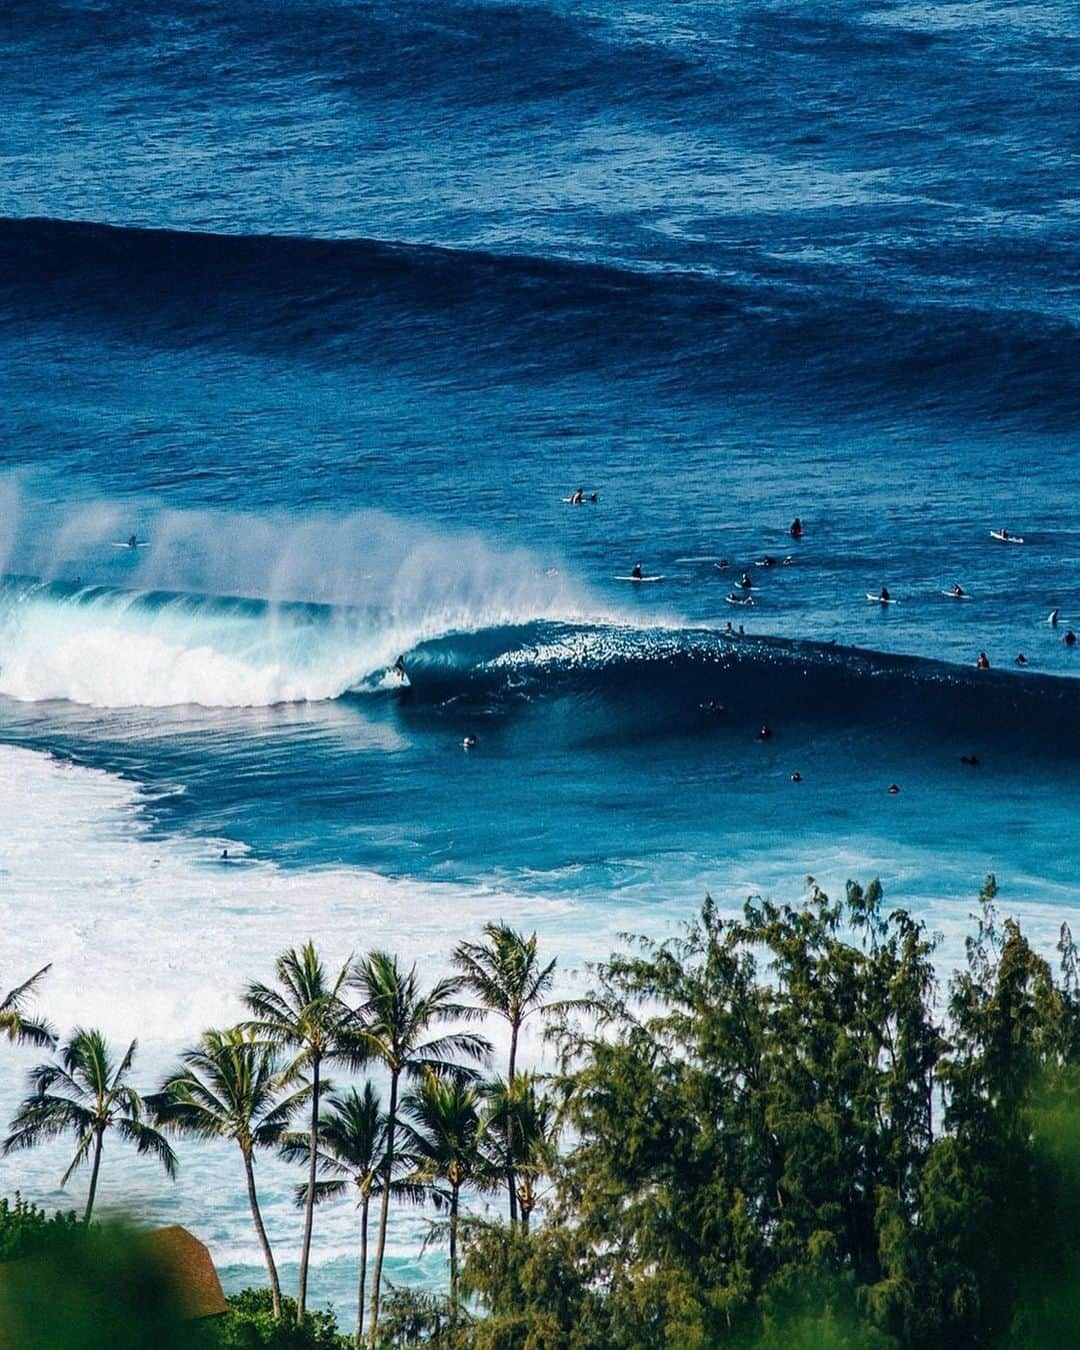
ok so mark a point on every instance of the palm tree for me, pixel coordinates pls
(445, 1135)
(396, 1020)
(86, 1095)
(229, 1088)
(526, 1122)
(305, 1014)
(507, 977)
(15, 1025)
(352, 1132)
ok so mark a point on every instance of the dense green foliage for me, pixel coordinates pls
(778, 1130)
(26, 1230)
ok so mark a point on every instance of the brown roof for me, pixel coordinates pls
(184, 1257)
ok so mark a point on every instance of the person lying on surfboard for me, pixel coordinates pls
(958, 590)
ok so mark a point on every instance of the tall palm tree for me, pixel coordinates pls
(506, 975)
(14, 1023)
(304, 1014)
(525, 1121)
(352, 1134)
(445, 1135)
(229, 1087)
(396, 1021)
(86, 1095)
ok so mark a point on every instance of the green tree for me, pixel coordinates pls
(505, 973)
(398, 1022)
(352, 1157)
(524, 1122)
(230, 1087)
(445, 1137)
(14, 1022)
(86, 1094)
(306, 1015)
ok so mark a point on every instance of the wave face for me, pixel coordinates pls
(111, 648)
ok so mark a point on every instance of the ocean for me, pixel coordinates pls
(333, 305)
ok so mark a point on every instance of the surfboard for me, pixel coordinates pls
(1006, 538)
(953, 596)
(142, 543)
(659, 578)
(734, 599)
(879, 601)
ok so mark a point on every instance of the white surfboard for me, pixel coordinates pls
(141, 543)
(734, 599)
(659, 578)
(1003, 538)
(953, 596)
(878, 600)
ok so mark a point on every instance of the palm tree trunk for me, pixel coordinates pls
(384, 1207)
(99, 1139)
(264, 1241)
(511, 1182)
(364, 1205)
(309, 1203)
(453, 1252)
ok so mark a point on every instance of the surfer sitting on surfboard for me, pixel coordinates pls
(884, 595)
(635, 571)
(133, 541)
(796, 528)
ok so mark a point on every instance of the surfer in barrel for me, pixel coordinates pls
(398, 668)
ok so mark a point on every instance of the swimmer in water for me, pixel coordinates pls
(796, 777)
(983, 663)
(224, 855)
(894, 788)
(468, 743)
(1069, 639)
(971, 760)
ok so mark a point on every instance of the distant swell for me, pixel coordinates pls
(465, 315)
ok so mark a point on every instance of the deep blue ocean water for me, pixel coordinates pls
(334, 303)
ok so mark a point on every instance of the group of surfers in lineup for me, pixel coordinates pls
(795, 531)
